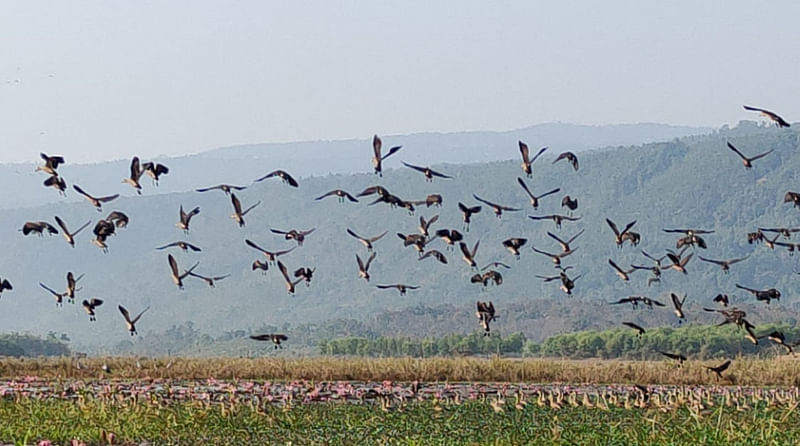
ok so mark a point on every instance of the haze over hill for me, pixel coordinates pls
(691, 182)
(241, 164)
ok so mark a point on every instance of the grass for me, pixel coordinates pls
(743, 371)
(474, 422)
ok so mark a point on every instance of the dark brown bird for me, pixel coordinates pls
(633, 300)
(90, 305)
(102, 230)
(186, 218)
(51, 164)
(373, 190)
(270, 255)
(498, 208)
(177, 277)
(72, 283)
(211, 281)
(433, 200)
(377, 157)
(639, 330)
(258, 264)
(557, 219)
(185, 246)
(305, 273)
(676, 356)
(424, 225)
(119, 219)
(792, 197)
(449, 236)
(469, 256)
(486, 314)
(625, 234)
(341, 194)
(290, 285)
(155, 170)
(135, 173)
(131, 323)
(363, 268)
(70, 236)
(755, 237)
(785, 232)
(534, 198)
(488, 276)
(417, 240)
(677, 304)
(779, 338)
(624, 275)
(275, 338)
(526, 160)
(719, 369)
(97, 202)
(513, 245)
(770, 115)
(569, 156)
(282, 174)
(722, 299)
(238, 213)
(38, 227)
(427, 171)
(400, 287)
(725, 264)
(367, 241)
(227, 188)
(765, 295)
(57, 183)
(59, 296)
(294, 234)
(565, 245)
(570, 203)
(496, 265)
(5, 285)
(567, 284)
(748, 162)
(467, 212)
(678, 262)
(435, 254)
(556, 258)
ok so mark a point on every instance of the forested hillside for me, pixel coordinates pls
(691, 182)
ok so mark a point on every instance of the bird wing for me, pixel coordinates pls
(360, 263)
(762, 155)
(525, 187)
(85, 225)
(438, 174)
(138, 316)
(136, 169)
(237, 206)
(554, 191)
(53, 292)
(615, 266)
(731, 262)
(261, 337)
(541, 151)
(327, 194)
(484, 201)
(376, 146)
(285, 273)
(269, 175)
(391, 151)
(61, 224)
(417, 168)
(290, 179)
(628, 226)
(475, 249)
(251, 207)
(737, 151)
(369, 261)
(81, 191)
(206, 189)
(464, 249)
(125, 314)
(524, 151)
(278, 231)
(718, 262)
(613, 227)
(285, 251)
(173, 265)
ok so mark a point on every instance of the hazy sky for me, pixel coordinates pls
(99, 80)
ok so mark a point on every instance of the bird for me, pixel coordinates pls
(498, 208)
(569, 156)
(131, 323)
(748, 162)
(102, 230)
(639, 330)
(155, 170)
(779, 338)
(238, 213)
(633, 300)
(719, 369)
(227, 188)
(59, 296)
(486, 314)
(565, 245)
(424, 225)
(435, 254)
(38, 227)
(56, 182)
(377, 157)
(771, 115)
(624, 275)
(72, 283)
(90, 305)
(211, 281)
(556, 258)
(722, 299)
(625, 234)
(70, 236)
(676, 356)
(288, 280)
(186, 218)
(496, 265)
(373, 190)
(765, 295)
(417, 240)
(677, 304)
(305, 273)
(341, 194)
(51, 164)
(282, 174)
(651, 302)
(467, 212)
(294, 234)
(367, 241)
(119, 219)
(792, 197)
(557, 219)
(513, 245)
(271, 256)
(400, 287)
(467, 255)
(177, 277)
(433, 200)
(5, 285)
(678, 262)
(363, 268)
(567, 284)
(535, 199)
(274, 337)
(570, 203)
(258, 264)
(527, 162)
(185, 246)
(427, 171)
(135, 173)
(785, 232)
(449, 236)
(725, 264)
(97, 202)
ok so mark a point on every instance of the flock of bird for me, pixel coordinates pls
(676, 260)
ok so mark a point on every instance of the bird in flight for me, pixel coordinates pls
(131, 323)
(780, 122)
(377, 157)
(282, 174)
(748, 162)
(527, 162)
(427, 171)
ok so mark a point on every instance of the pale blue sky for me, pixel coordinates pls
(103, 80)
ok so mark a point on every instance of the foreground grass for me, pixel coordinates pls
(743, 371)
(475, 422)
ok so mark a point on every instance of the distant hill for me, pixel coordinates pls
(241, 164)
(689, 182)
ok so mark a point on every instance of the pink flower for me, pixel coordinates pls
(44, 443)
